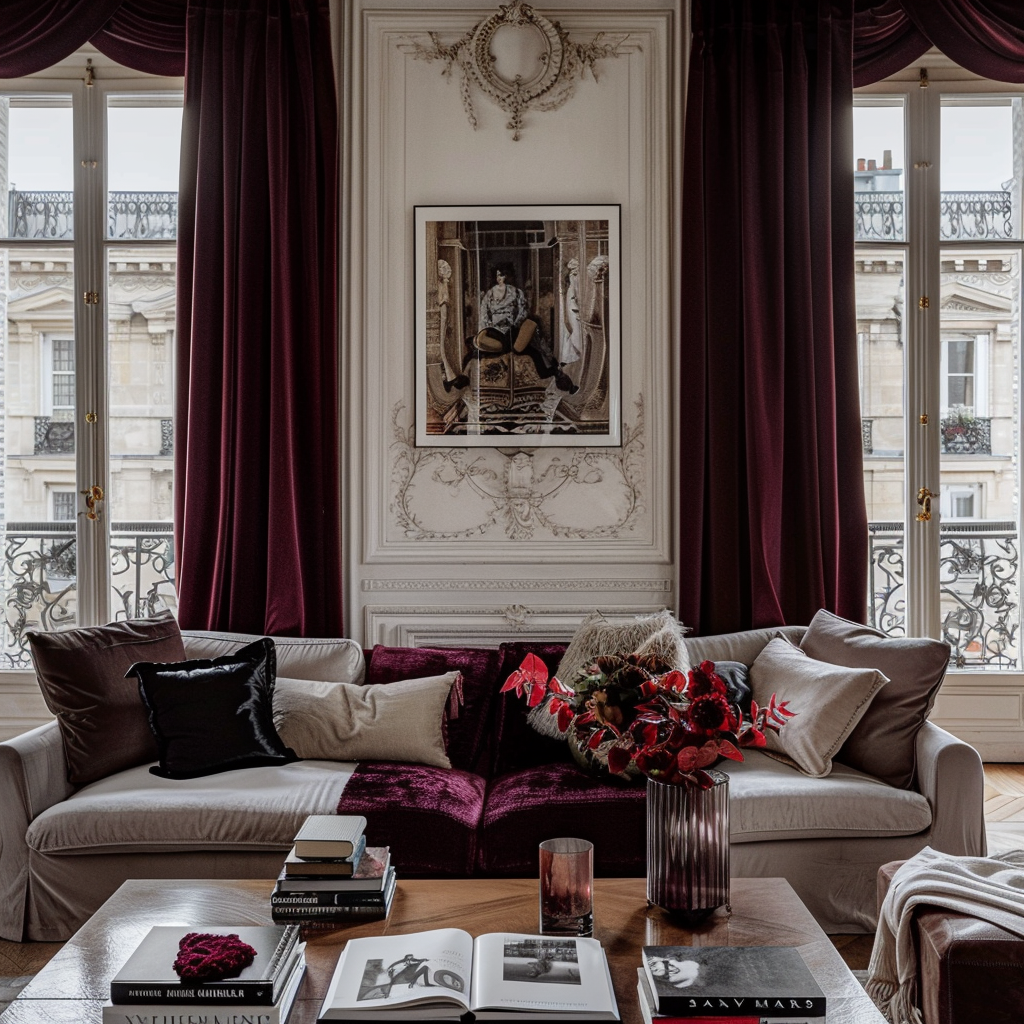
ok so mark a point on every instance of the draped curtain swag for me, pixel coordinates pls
(773, 523)
(257, 517)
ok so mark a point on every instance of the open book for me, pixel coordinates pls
(445, 973)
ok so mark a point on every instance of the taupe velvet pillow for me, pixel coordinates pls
(884, 742)
(398, 721)
(660, 635)
(828, 700)
(103, 724)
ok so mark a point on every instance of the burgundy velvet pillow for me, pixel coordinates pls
(103, 724)
(467, 733)
(517, 744)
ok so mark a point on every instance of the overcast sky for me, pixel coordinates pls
(976, 144)
(143, 145)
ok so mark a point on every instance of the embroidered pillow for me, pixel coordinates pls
(828, 700)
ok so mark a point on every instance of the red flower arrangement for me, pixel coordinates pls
(667, 725)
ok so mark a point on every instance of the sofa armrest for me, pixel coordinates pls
(950, 776)
(33, 776)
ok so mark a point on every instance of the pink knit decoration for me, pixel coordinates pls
(206, 957)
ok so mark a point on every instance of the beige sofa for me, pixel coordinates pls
(62, 851)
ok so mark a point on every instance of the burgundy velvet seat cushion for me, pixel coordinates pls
(468, 732)
(524, 808)
(428, 816)
(517, 744)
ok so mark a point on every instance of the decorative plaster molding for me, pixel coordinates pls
(562, 62)
(560, 586)
(517, 484)
(431, 626)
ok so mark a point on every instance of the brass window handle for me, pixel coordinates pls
(93, 496)
(924, 499)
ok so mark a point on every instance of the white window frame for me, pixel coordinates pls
(89, 103)
(986, 708)
(48, 372)
(52, 502)
(980, 373)
(948, 495)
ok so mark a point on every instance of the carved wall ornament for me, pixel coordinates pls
(520, 60)
(517, 490)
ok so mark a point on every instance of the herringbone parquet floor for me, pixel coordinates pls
(1004, 806)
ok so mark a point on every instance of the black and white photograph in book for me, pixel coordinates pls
(554, 961)
(407, 972)
(517, 325)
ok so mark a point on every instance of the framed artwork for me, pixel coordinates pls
(517, 326)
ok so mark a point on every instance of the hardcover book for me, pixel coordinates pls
(446, 973)
(210, 1013)
(329, 835)
(345, 905)
(334, 896)
(646, 1001)
(770, 982)
(148, 975)
(326, 867)
(368, 874)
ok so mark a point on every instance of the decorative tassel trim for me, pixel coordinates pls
(895, 1002)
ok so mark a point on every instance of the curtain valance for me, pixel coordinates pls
(983, 36)
(146, 35)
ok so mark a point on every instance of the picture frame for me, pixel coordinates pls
(518, 325)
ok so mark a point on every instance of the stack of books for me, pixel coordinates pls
(331, 875)
(728, 985)
(147, 990)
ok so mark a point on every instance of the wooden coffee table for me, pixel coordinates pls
(765, 912)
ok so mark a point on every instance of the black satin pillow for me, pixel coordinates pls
(736, 677)
(213, 714)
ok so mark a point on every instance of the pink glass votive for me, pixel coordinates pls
(566, 887)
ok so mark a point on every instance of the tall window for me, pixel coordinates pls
(938, 177)
(88, 220)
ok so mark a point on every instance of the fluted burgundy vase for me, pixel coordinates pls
(688, 847)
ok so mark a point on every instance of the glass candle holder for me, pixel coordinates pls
(567, 887)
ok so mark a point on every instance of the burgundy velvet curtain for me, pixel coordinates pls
(773, 522)
(256, 454)
(984, 36)
(257, 520)
(146, 35)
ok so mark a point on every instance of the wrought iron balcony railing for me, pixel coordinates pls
(129, 215)
(964, 434)
(54, 437)
(879, 216)
(979, 586)
(40, 583)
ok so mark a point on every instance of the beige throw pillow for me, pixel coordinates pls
(828, 700)
(884, 744)
(659, 634)
(398, 721)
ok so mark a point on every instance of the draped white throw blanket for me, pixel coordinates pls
(988, 888)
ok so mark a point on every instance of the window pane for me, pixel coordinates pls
(979, 457)
(981, 169)
(879, 282)
(140, 345)
(143, 141)
(878, 171)
(36, 167)
(38, 491)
